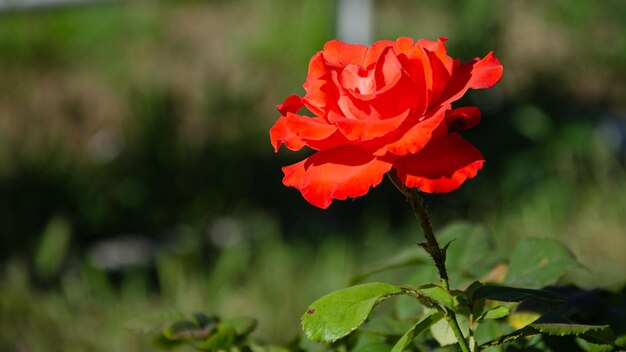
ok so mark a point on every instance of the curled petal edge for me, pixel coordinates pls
(292, 103)
(281, 134)
(442, 166)
(339, 173)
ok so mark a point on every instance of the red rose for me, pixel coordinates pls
(383, 107)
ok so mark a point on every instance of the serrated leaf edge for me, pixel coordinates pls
(378, 301)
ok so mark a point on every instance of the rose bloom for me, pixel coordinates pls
(378, 108)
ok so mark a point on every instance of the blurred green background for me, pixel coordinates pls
(137, 181)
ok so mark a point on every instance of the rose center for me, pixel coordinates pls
(358, 79)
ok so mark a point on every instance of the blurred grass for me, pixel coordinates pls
(149, 120)
(259, 276)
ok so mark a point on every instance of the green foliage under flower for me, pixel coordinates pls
(493, 315)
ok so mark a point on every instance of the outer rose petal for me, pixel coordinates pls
(281, 134)
(442, 166)
(296, 131)
(317, 67)
(486, 72)
(293, 103)
(309, 128)
(476, 74)
(337, 173)
(319, 94)
(340, 54)
(333, 141)
(463, 118)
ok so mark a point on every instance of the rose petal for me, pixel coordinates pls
(364, 130)
(375, 51)
(281, 134)
(402, 45)
(296, 131)
(292, 103)
(309, 128)
(388, 71)
(416, 64)
(340, 54)
(438, 82)
(317, 67)
(335, 174)
(335, 140)
(319, 94)
(350, 107)
(411, 140)
(486, 72)
(476, 74)
(431, 44)
(354, 109)
(403, 95)
(440, 50)
(363, 83)
(442, 166)
(358, 81)
(429, 67)
(320, 91)
(462, 118)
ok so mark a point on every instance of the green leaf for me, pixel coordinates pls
(593, 347)
(203, 320)
(443, 333)
(407, 307)
(304, 344)
(363, 338)
(538, 262)
(262, 348)
(621, 341)
(415, 330)
(554, 325)
(488, 330)
(374, 347)
(242, 325)
(386, 326)
(52, 247)
(182, 330)
(563, 329)
(494, 313)
(153, 323)
(514, 294)
(222, 339)
(438, 294)
(163, 342)
(471, 251)
(338, 313)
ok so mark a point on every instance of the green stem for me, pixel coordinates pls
(431, 246)
(454, 325)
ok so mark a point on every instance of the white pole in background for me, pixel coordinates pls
(354, 21)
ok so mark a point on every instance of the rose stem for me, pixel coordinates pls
(431, 247)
